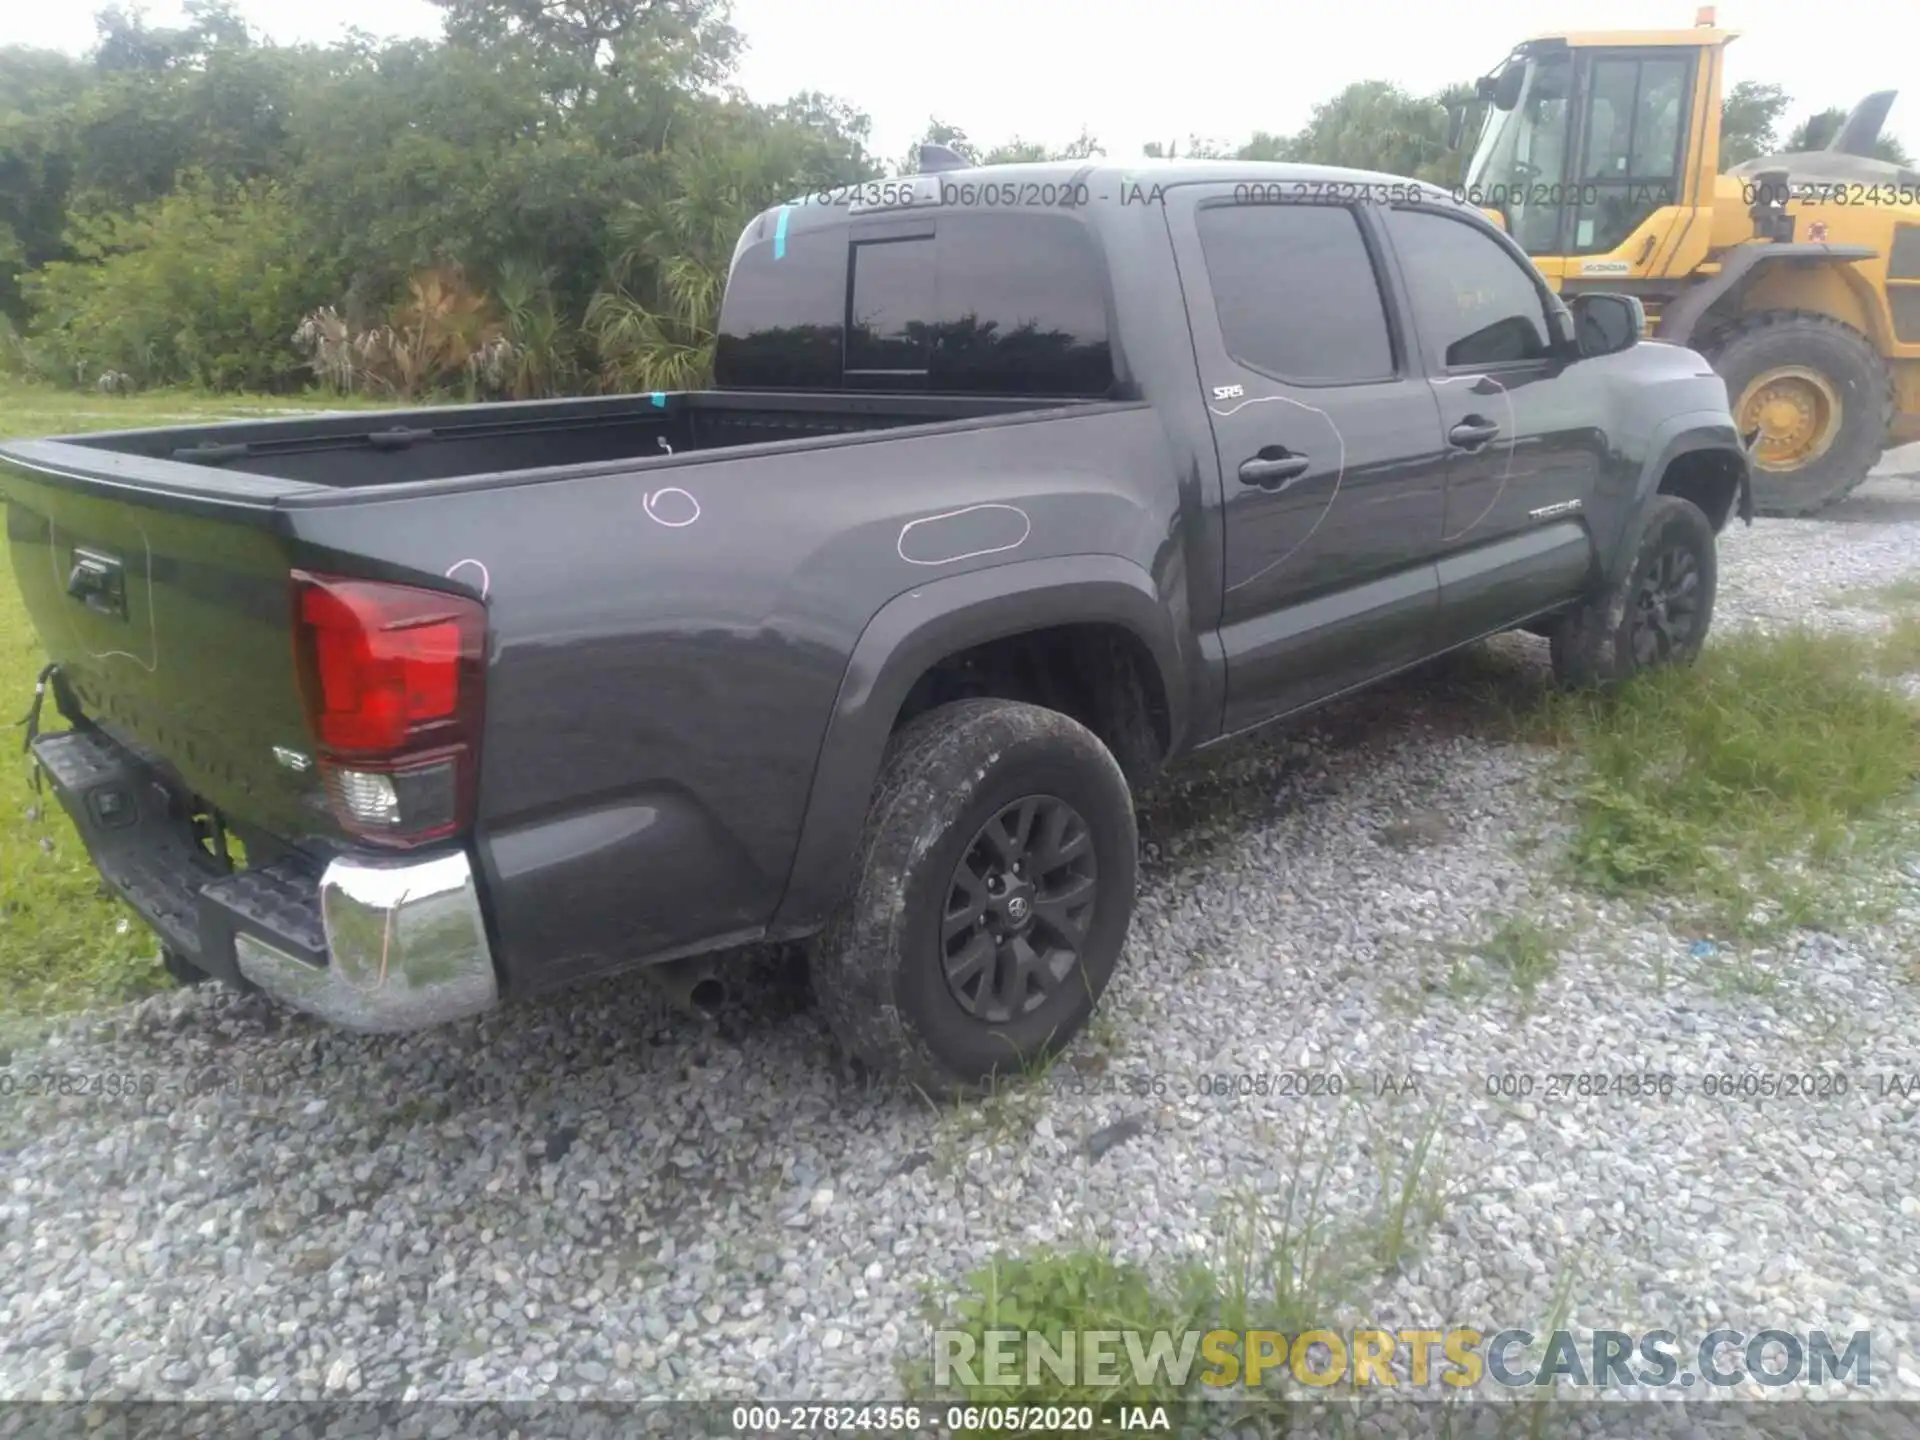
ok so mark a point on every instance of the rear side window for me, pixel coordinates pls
(1295, 292)
(988, 303)
(1471, 297)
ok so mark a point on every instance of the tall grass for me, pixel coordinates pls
(1743, 782)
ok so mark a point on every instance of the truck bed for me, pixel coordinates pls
(155, 563)
(367, 449)
(665, 634)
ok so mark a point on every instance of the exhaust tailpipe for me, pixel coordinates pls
(692, 985)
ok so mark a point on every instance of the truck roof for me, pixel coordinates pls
(1105, 180)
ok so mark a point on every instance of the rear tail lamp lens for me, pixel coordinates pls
(391, 676)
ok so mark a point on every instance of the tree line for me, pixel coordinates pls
(541, 200)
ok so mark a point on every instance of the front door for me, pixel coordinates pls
(1524, 423)
(1329, 444)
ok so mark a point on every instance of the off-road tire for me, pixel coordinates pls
(877, 966)
(183, 970)
(1594, 643)
(1758, 343)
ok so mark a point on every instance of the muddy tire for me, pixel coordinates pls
(1836, 360)
(994, 886)
(1656, 613)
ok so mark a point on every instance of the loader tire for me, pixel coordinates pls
(1797, 367)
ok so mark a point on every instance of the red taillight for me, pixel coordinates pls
(392, 676)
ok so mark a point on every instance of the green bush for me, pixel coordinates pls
(203, 287)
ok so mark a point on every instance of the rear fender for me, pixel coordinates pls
(916, 630)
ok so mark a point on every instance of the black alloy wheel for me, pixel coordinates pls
(1667, 607)
(1018, 908)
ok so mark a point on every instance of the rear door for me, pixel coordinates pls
(1329, 445)
(1524, 427)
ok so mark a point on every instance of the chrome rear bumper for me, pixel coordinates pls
(406, 948)
(371, 945)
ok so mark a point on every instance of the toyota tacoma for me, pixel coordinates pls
(1011, 485)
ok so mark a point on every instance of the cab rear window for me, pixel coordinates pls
(962, 303)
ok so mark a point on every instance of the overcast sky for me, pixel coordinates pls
(1157, 69)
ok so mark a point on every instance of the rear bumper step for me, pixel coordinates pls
(365, 945)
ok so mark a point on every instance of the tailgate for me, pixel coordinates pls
(170, 618)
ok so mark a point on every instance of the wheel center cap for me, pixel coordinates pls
(1015, 904)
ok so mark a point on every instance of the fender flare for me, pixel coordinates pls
(1679, 320)
(1676, 436)
(914, 631)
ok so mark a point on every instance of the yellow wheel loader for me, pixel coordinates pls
(1797, 275)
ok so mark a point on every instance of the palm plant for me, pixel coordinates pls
(654, 322)
(540, 356)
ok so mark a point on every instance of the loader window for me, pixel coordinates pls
(1632, 151)
(1520, 167)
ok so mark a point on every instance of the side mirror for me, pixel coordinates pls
(1605, 324)
(1506, 90)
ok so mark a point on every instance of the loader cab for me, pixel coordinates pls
(1592, 146)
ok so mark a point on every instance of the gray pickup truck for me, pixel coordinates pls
(1013, 484)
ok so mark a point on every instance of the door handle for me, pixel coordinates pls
(1273, 472)
(1473, 431)
(98, 582)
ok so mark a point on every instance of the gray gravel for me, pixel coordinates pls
(592, 1196)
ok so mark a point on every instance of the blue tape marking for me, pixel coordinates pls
(659, 398)
(780, 235)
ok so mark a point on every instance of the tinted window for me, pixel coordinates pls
(1004, 304)
(1632, 159)
(893, 298)
(1470, 296)
(1295, 291)
(785, 305)
(1634, 119)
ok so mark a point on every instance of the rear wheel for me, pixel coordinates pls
(995, 885)
(1819, 395)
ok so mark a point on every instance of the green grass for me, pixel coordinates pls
(1900, 595)
(1284, 1263)
(1748, 785)
(1519, 949)
(1527, 949)
(64, 943)
(1899, 649)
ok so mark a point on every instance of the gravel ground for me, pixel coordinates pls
(592, 1196)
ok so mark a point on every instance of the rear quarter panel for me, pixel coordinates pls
(668, 641)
